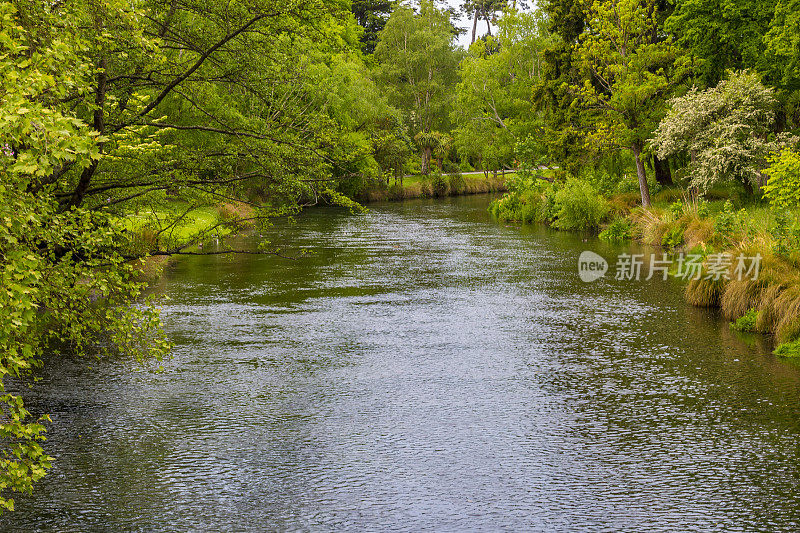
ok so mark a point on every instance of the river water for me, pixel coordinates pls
(423, 368)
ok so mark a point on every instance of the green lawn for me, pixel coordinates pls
(191, 225)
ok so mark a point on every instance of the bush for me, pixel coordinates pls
(579, 206)
(783, 186)
(618, 231)
(438, 184)
(788, 349)
(747, 323)
(457, 183)
(396, 191)
(726, 221)
(677, 209)
(703, 209)
(786, 233)
(673, 237)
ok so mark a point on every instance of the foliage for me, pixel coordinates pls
(112, 108)
(492, 107)
(783, 186)
(725, 129)
(439, 186)
(746, 323)
(721, 35)
(725, 222)
(618, 231)
(456, 183)
(673, 237)
(703, 209)
(677, 208)
(628, 70)
(788, 349)
(417, 65)
(372, 16)
(579, 206)
(785, 233)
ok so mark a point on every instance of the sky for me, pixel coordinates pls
(467, 24)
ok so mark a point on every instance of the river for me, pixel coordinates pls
(423, 368)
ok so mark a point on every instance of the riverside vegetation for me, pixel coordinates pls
(140, 129)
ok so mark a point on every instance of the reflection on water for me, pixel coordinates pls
(424, 367)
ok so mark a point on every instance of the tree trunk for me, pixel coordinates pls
(643, 187)
(663, 173)
(474, 25)
(426, 159)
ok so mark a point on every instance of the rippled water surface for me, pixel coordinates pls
(423, 368)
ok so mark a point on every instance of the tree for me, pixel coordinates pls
(726, 130)
(111, 106)
(372, 16)
(563, 134)
(493, 99)
(391, 146)
(482, 10)
(722, 34)
(63, 276)
(630, 69)
(417, 66)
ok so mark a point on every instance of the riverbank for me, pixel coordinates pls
(436, 186)
(720, 229)
(196, 226)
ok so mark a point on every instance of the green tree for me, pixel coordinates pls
(722, 34)
(109, 107)
(493, 106)
(372, 16)
(563, 133)
(418, 65)
(63, 276)
(630, 69)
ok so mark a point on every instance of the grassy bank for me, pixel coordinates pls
(722, 223)
(195, 225)
(435, 186)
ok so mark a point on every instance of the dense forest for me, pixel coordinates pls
(138, 129)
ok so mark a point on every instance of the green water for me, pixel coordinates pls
(424, 367)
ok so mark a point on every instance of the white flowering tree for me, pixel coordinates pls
(726, 130)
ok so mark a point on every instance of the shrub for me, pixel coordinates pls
(747, 323)
(703, 209)
(397, 191)
(618, 231)
(783, 186)
(725, 223)
(673, 237)
(579, 206)
(677, 208)
(788, 349)
(457, 183)
(438, 184)
(450, 166)
(785, 232)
